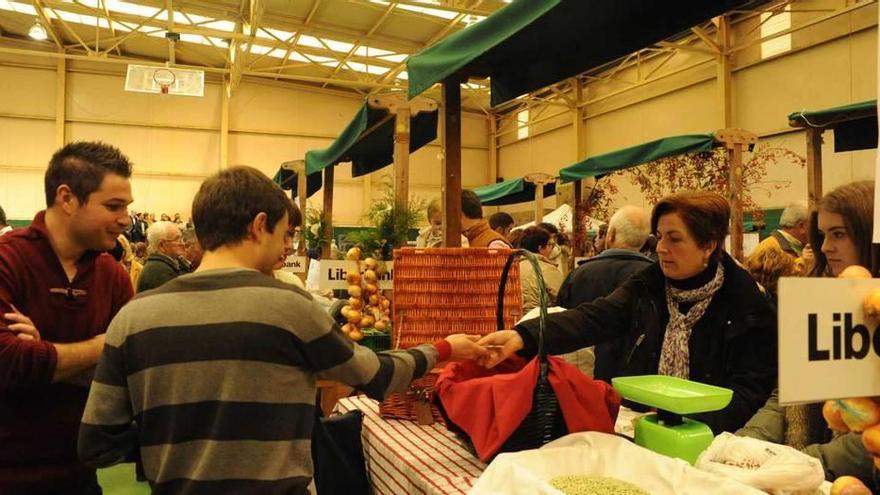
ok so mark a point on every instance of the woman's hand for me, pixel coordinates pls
(499, 345)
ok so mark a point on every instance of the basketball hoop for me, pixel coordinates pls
(164, 78)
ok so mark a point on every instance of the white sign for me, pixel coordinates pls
(750, 242)
(826, 351)
(332, 274)
(295, 264)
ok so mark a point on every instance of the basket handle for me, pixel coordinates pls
(542, 295)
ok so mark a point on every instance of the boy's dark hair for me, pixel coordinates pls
(228, 201)
(534, 238)
(82, 166)
(471, 206)
(2, 217)
(500, 220)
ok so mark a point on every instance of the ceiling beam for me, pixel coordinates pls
(423, 5)
(44, 20)
(370, 32)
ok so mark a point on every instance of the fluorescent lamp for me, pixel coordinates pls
(38, 32)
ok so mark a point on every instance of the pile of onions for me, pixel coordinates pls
(367, 307)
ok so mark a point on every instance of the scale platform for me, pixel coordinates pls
(667, 432)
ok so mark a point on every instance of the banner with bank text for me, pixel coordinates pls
(827, 349)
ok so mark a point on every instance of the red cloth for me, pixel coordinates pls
(39, 420)
(489, 405)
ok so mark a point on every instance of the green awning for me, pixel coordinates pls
(368, 141)
(637, 155)
(530, 44)
(511, 192)
(854, 125)
(287, 179)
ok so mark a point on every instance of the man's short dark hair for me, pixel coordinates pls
(228, 201)
(2, 217)
(500, 220)
(534, 238)
(471, 206)
(82, 166)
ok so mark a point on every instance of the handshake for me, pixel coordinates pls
(488, 350)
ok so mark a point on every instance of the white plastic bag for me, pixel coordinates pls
(775, 468)
(599, 454)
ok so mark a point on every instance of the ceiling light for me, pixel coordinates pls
(38, 32)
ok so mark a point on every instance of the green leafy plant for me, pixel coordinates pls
(388, 223)
(315, 228)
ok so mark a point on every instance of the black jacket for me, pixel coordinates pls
(598, 277)
(733, 345)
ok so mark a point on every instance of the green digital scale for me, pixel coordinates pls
(667, 431)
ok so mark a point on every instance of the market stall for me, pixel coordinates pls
(854, 126)
(405, 457)
(531, 188)
(385, 130)
(510, 48)
(734, 140)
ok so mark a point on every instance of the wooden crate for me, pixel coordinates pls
(441, 291)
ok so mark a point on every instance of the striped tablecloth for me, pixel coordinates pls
(404, 457)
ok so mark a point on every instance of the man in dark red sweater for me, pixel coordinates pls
(58, 293)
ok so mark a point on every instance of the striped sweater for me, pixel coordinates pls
(210, 379)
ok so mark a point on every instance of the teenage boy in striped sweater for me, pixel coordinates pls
(211, 377)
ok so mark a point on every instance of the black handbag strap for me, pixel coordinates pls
(542, 295)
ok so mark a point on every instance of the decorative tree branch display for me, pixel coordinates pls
(694, 171)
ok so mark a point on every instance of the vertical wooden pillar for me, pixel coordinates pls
(736, 208)
(735, 140)
(328, 211)
(539, 180)
(224, 124)
(494, 171)
(61, 103)
(539, 203)
(814, 164)
(403, 110)
(579, 236)
(401, 156)
(451, 163)
(301, 194)
(724, 80)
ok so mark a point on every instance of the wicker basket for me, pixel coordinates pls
(544, 422)
(419, 395)
(442, 291)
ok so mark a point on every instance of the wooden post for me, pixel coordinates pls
(493, 150)
(539, 180)
(328, 211)
(224, 124)
(735, 140)
(60, 103)
(579, 236)
(403, 110)
(724, 80)
(301, 194)
(401, 157)
(814, 165)
(451, 164)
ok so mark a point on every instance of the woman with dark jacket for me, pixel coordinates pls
(694, 314)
